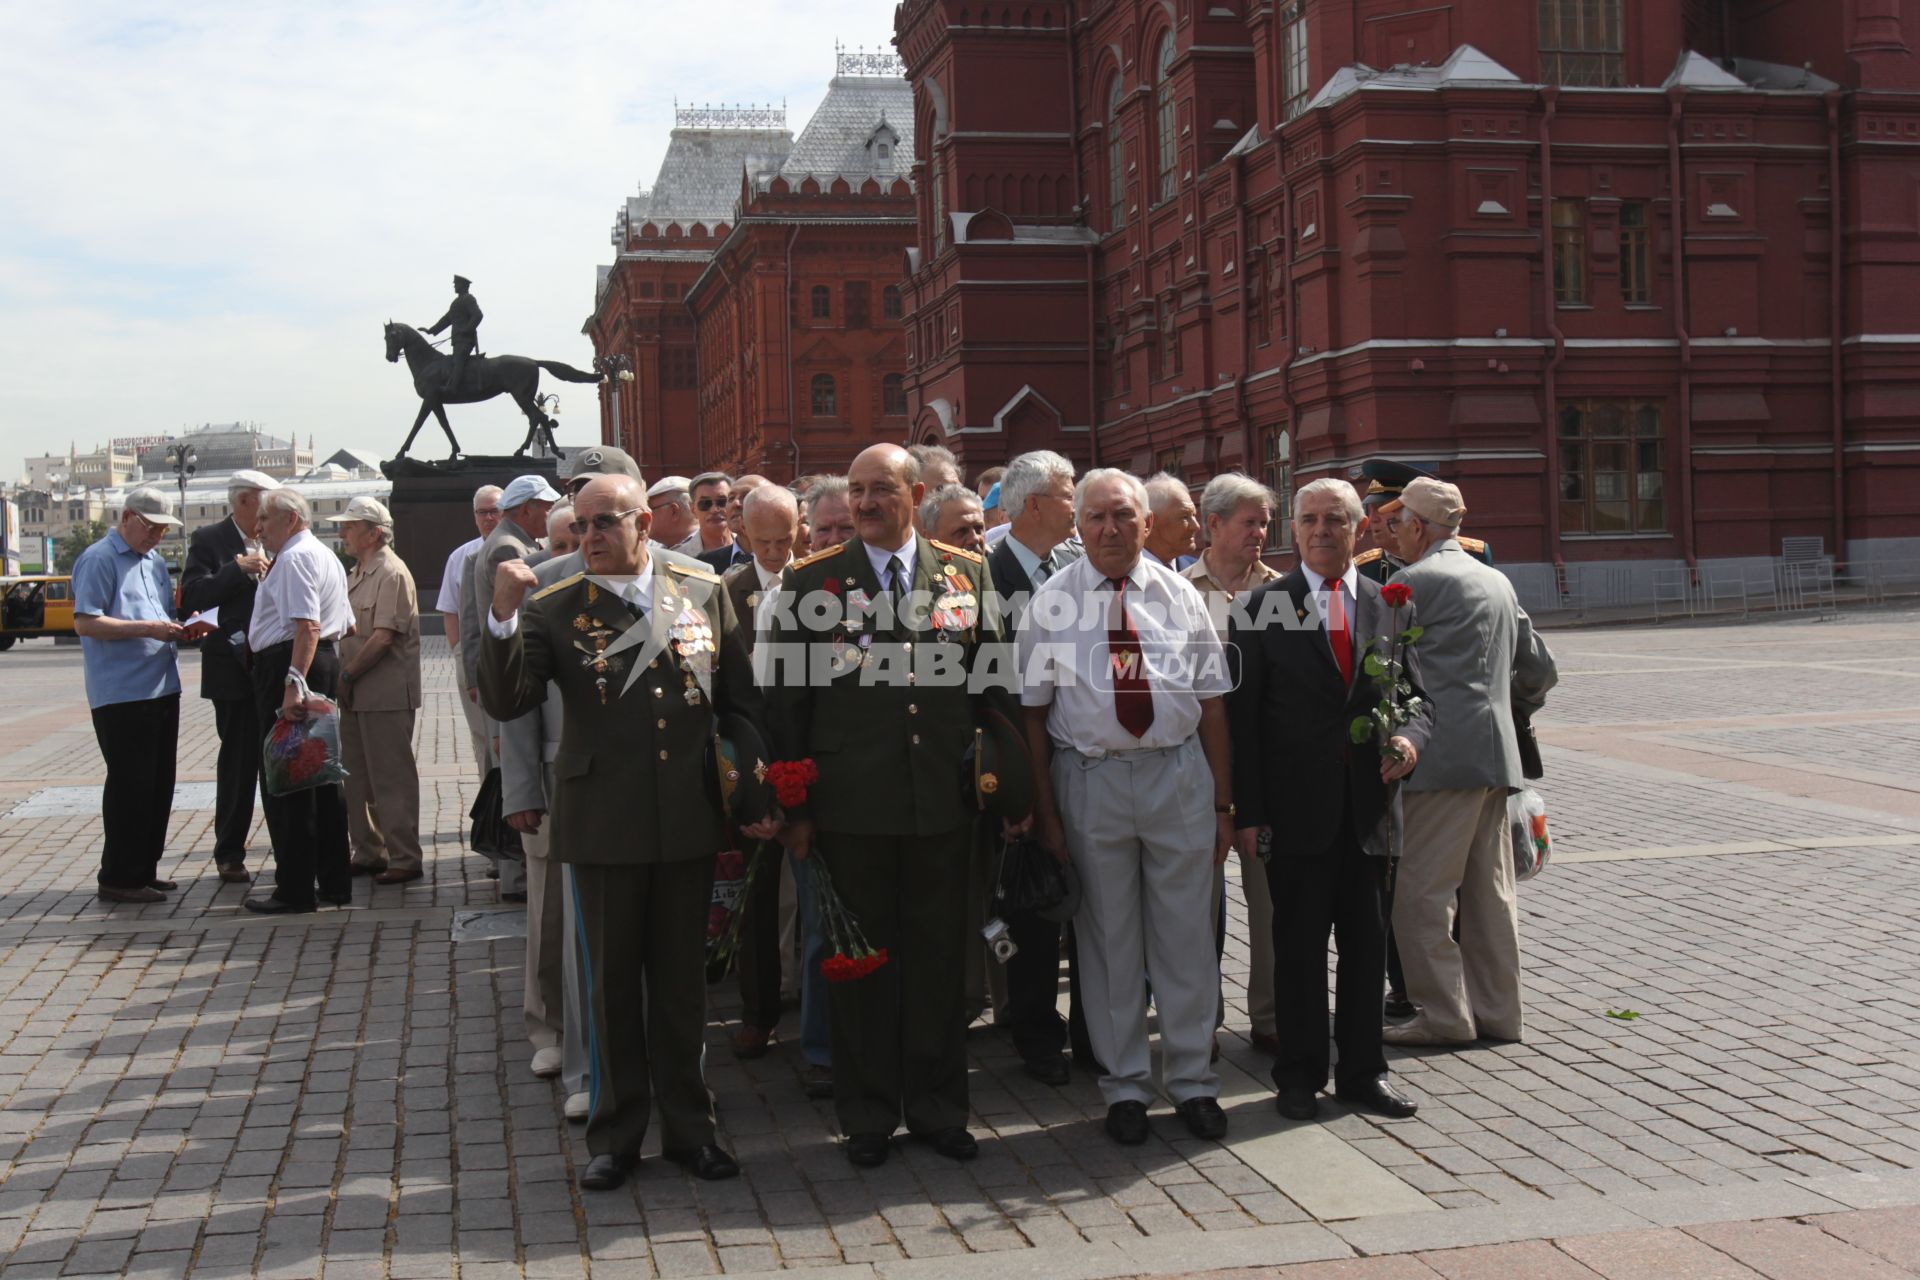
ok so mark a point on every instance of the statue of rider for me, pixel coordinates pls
(464, 317)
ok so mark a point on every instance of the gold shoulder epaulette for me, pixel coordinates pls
(1472, 544)
(705, 575)
(804, 561)
(1368, 556)
(544, 592)
(950, 549)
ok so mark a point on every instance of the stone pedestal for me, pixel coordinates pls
(432, 505)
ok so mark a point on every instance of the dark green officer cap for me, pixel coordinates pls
(997, 772)
(1377, 476)
(737, 763)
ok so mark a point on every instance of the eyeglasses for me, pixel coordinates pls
(605, 522)
(486, 511)
(711, 504)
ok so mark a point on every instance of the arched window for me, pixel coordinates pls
(893, 396)
(1116, 159)
(890, 302)
(826, 402)
(1163, 111)
(822, 302)
(1276, 469)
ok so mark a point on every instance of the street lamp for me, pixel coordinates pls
(185, 460)
(614, 370)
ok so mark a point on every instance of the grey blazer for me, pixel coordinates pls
(528, 744)
(508, 541)
(1479, 659)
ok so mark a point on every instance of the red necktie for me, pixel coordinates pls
(1337, 634)
(1132, 698)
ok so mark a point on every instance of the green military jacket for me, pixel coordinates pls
(1379, 566)
(631, 777)
(878, 708)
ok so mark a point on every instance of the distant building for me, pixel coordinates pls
(233, 446)
(756, 291)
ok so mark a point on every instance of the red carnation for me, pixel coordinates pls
(1396, 595)
(831, 586)
(729, 865)
(791, 780)
(838, 968)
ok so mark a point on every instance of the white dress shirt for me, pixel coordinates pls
(1064, 656)
(909, 557)
(1321, 591)
(448, 601)
(306, 583)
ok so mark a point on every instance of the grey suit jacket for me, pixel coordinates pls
(508, 541)
(1479, 659)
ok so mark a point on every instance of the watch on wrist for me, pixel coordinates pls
(1229, 809)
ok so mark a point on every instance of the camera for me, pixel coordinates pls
(999, 939)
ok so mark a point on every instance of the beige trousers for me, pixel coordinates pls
(543, 1000)
(383, 788)
(1458, 843)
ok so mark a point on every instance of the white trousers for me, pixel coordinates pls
(1140, 828)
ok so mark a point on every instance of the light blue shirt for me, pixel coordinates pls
(1029, 562)
(111, 581)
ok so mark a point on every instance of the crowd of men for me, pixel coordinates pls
(1103, 667)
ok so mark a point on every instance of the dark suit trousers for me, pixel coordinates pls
(643, 943)
(1338, 891)
(138, 741)
(238, 722)
(899, 1042)
(308, 828)
(1033, 987)
(759, 958)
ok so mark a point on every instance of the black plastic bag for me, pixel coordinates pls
(491, 835)
(1034, 881)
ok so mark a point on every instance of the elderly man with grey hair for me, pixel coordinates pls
(1123, 678)
(938, 467)
(225, 563)
(299, 614)
(1481, 659)
(486, 515)
(1238, 510)
(379, 698)
(952, 514)
(1176, 521)
(829, 514)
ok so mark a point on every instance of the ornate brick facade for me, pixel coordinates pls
(1588, 271)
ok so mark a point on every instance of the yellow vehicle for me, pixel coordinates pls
(35, 605)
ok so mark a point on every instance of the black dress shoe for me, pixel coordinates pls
(338, 899)
(817, 1081)
(113, 893)
(955, 1143)
(1048, 1070)
(164, 886)
(869, 1149)
(1378, 1096)
(1398, 1006)
(367, 868)
(1296, 1102)
(604, 1173)
(235, 873)
(1127, 1123)
(708, 1163)
(1204, 1118)
(272, 906)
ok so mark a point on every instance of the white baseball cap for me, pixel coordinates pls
(525, 489)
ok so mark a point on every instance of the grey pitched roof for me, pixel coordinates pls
(699, 178)
(835, 141)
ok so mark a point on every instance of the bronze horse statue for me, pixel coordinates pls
(484, 378)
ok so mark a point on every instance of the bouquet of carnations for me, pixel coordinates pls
(853, 956)
(734, 872)
(299, 754)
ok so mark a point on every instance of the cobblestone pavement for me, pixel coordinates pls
(188, 1090)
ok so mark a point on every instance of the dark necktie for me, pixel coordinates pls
(894, 581)
(1132, 698)
(1338, 635)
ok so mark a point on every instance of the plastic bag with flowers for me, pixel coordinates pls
(299, 754)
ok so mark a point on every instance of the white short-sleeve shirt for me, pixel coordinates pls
(307, 583)
(1065, 651)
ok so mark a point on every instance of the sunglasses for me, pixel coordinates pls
(711, 504)
(605, 522)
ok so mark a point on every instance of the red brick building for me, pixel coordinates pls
(757, 289)
(1577, 255)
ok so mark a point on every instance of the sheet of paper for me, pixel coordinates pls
(211, 617)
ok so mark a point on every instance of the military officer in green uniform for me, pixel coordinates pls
(877, 694)
(1380, 481)
(645, 648)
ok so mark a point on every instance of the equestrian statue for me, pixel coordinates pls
(466, 377)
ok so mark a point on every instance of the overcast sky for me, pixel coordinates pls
(210, 208)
